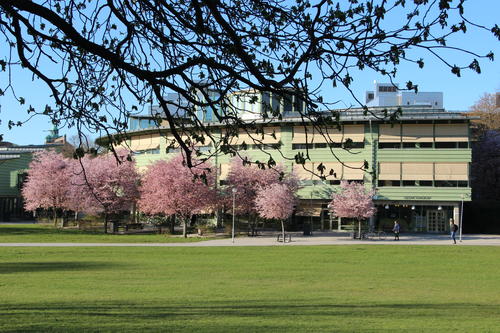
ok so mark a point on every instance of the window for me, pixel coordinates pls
(389, 183)
(223, 182)
(387, 89)
(302, 146)
(173, 150)
(462, 183)
(272, 146)
(425, 144)
(354, 145)
(334, 182)
(445, 145)
(320, 145)
(389, 145)
(335, 145)
(445, 183)
(409, 145)
(134, 124)
(288, 104)
(463, 145)
(409, 183)
(425, 183)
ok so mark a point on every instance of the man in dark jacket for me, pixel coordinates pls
(453, 230)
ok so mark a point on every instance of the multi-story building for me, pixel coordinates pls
(389, 94)
(14, 162)
(418, 165)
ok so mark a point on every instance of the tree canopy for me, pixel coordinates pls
(105, 60)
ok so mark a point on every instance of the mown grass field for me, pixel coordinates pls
(251, 289)
(34, 233)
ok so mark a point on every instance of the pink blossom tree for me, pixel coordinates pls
(277, 202)
(104, 184)
(47, 183)
(247, 180)
(171, 188)
(353, 201)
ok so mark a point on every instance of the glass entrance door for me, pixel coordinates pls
(436, 220)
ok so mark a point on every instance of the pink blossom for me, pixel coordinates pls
(171, 188)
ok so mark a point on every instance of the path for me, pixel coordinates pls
(298, 239)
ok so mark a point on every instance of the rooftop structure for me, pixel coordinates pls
(389, 94)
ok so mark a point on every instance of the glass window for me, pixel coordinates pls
(463, 145)
(408, 183)
(334, 182)
(462, 183)
(302, 146)
(389, 145)
(445, 183)
(288, 104)
(389, 183)
(425, 144)
(134, 123)
(409, 145)
(425, 183)
(354, 145)
(320, 145)
(445, 145)
(335, 145)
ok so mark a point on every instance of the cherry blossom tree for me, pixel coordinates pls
(105, 184)
(354, 201)
(276, 201)
(171, 188)
(247, 180)
(47, 183)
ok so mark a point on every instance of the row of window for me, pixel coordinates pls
(416, 145)
(147, 152)
(426, 183)
(351, 145)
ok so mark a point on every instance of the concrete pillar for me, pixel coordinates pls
(339, 227)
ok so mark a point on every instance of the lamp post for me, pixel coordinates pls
(234, 204)
(461, 218)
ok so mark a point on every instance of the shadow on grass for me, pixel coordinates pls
(34, 267)
(22, 230)
(245, 316)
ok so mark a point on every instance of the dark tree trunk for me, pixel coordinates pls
(55, 217)
(105, 223)
(359, 228)
(283, 230)
(172, 224)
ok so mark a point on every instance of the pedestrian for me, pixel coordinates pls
(396, 229)
(453, 230)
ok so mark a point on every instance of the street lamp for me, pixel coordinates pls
(234, 204)
(461, 218)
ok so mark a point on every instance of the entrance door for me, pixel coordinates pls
(436, 221)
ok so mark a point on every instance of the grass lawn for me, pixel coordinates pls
(251, 289)
(34, 233)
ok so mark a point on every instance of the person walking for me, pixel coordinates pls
(396, 230)
(453, 230)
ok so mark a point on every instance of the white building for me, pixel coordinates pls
(388, 94)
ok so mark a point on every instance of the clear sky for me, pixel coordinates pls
(459, 93)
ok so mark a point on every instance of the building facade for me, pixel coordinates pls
(418, 165)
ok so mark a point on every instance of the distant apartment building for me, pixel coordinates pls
(388, 94)
(417, 165)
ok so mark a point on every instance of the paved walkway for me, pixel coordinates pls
(327, 238)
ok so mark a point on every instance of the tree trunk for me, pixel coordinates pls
(359, 227)
(55, 217)
(184, 227)
(172, 224)
(105, 223)
(283, 230)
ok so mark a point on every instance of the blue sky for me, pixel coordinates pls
(459, 93)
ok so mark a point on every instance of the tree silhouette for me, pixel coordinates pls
(104, 60)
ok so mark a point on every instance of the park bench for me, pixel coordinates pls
(288, 238)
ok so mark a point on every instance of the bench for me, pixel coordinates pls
(288, 238)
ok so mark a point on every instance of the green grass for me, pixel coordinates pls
(33, 233)
(251, 289)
